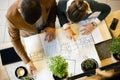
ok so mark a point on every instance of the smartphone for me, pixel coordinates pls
(114, 23)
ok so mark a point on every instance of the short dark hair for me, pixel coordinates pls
(30, 10)
(77, 10)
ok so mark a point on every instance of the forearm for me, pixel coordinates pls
(15, 39)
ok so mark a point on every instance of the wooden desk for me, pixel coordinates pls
(10, 69)
(108, 61)
(3, 73)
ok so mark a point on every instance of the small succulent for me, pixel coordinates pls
(89, 63)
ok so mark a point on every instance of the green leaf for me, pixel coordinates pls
(115, 46)
(58, 66)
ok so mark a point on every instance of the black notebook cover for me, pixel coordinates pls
(9, 55)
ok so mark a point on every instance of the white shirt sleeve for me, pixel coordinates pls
(68, 4)
(66, 25)
(97, 21)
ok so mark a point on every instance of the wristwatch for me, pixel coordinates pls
(94, 25)
(66, 26)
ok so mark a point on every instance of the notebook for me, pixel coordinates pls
(9, 55)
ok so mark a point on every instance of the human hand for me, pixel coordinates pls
(50, 34)
(31, 68)
(103, 73)
(89, 27)
(70, 34)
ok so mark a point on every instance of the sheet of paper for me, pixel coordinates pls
(44, 74)
(67, 46)
(43, 71)
(71, 67)
(34, 47)
(70, 46)
(101, 33)
(50, 48)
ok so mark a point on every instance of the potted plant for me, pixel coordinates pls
(59, 67)
(89, 64)
(115, 48)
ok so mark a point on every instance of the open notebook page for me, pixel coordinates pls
(34, 47)
(101, 33)
(51, 48)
